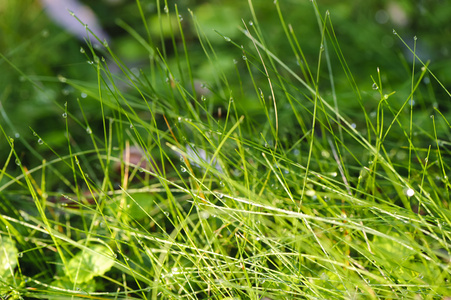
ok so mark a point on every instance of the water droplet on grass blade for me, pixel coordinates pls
(410, 192)
(394, 32)
(64, 115)
(244, 57)
(88, 130)
(375, 87)
(82, 50)
(40, 141)
(227, 39)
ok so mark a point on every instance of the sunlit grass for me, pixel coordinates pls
(244, 186)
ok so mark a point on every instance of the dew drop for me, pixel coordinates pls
(251, 23)
(61, 78)
(88, 130)
(235, 61)
(82, 50)
(410, 192)
(183, 169)
(166, 213)
(203, 98)
(221, 183)
(84, 95)
(64, 115)
(40, 141)
(227, 39)
(412, 102)
(17, 135)
(180, 18)
(131, 126)
(17, 161)
(166, 9)
(244, 57)
(415, 38)
(394, 32)
(105, 43)
(375, 87)
(179, 119)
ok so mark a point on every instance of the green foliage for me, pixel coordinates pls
(8, 258)
(244, 151)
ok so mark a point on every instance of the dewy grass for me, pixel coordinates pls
(255, 185)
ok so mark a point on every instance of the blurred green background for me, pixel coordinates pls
(36, 51)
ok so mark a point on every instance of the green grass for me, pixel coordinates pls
(261, 174)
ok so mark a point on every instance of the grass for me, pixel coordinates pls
(195, 176)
